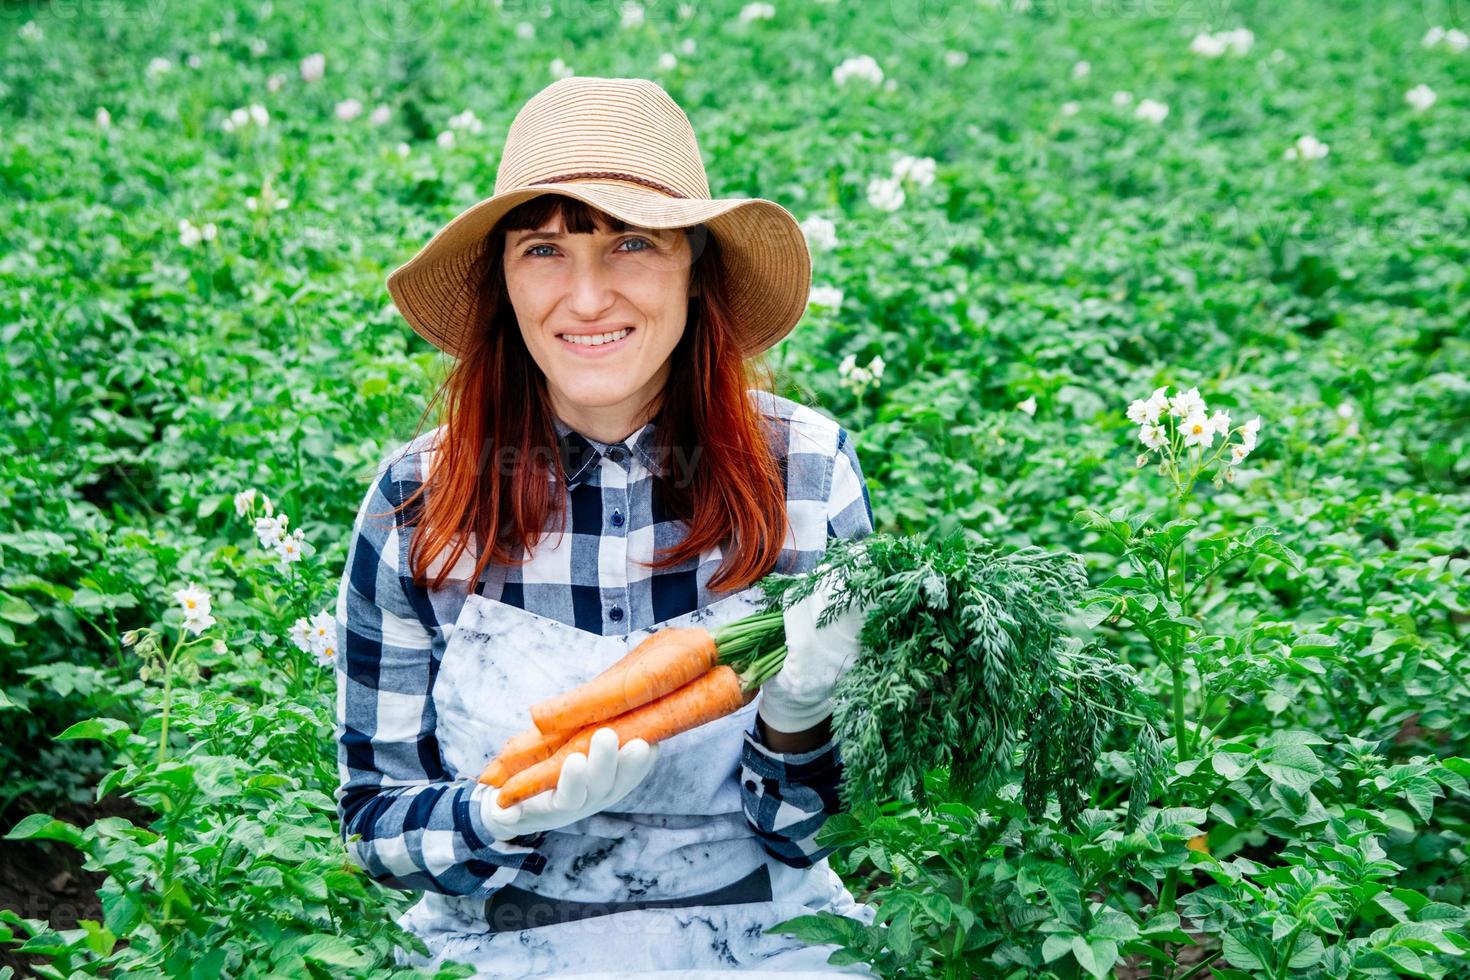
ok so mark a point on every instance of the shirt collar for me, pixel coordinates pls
(579, 454)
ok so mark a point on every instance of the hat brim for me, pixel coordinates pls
(764, 251)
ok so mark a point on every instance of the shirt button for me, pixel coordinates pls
(617, 518)
(615, 614)
(616, 455)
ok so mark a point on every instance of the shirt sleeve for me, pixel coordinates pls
(404, 821)
(788, 796)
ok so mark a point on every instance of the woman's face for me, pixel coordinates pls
(600, 314)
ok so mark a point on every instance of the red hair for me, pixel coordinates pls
(497, 409)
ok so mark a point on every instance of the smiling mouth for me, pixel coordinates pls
(594, 340)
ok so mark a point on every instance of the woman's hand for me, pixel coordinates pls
(799, 696)
(588, 784)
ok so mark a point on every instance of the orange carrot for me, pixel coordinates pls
(664, 662)
(712, 695)
(524, 749)
(532, 745)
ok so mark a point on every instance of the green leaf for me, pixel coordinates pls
(16, 610)
(331, 951)
(1239, 954)
(1111, 923)
(1294, 766)
(43, 826)
(1057, 945)
(1096, 956)
(1308, 950)
(1406, 960)
(102, 729)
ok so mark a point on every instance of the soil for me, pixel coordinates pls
(45, 879)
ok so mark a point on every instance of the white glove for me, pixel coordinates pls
(799, 696)
(589, 783)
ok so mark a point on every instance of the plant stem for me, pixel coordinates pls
(1166, 904)
(1181, 731)
(168, 693)
(1201, 965)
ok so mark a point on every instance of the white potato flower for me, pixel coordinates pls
(820, 232)
(191, 234)
(1082, 69)
(270, 530)
(560, 69)
(955, 59)
(195, 603)
(1307, 148)
(667, 61)
(445, 139)
(1187, 403)
(885, 193)
(31, 31)
(1238, 40)
(1152, 111)
(158, 66)
(274, 82)
(1208, 45)
(918, 169)
(467, 121)
(348, 109)
(244, 500)
(300, 634)
(104, 118)
(313, 67)
(825, 296)
(687, 47)
(1028, 405)
(323, 630)
(1421, 97)
(288, 549)
(1197, 431)
(1122, 98)
(861, 67)
(1248, 434)
(631, 15)
(1453, 38)
(1220, 422)
(756, 11)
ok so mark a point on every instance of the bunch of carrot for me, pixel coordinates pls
(675, 680)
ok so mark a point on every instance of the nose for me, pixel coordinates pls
(591, 291)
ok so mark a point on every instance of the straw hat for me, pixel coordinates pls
(624, 146)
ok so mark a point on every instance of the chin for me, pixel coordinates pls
(598, 396)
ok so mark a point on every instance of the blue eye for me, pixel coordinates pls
(532, 250)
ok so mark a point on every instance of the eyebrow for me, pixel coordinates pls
(553, 235)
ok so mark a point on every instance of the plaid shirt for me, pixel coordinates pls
(405, 820)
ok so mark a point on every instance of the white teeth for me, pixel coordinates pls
(596, 339)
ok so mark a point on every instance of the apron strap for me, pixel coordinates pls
(511, 909)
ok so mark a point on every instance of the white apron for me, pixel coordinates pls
(680, 832)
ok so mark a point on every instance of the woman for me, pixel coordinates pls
(606, 468)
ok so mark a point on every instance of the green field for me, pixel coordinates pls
(192, 305)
